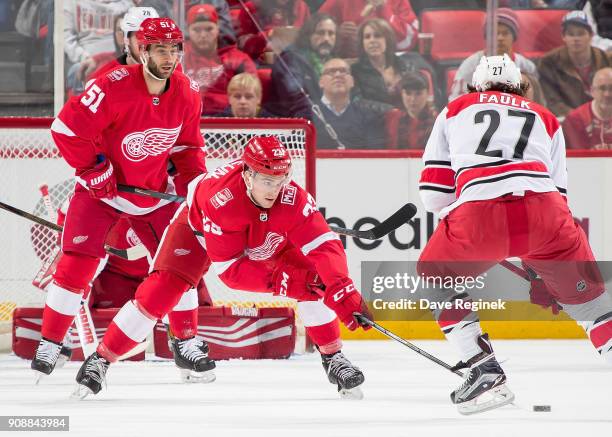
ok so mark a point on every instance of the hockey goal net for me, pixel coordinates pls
(29, 158)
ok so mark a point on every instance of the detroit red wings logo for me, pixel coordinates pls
(267, 248)
(152, 142)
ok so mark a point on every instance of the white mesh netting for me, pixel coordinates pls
(28, 159)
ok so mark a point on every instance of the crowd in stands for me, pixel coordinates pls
(369, 74)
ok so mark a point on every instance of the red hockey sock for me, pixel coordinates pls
(184, 317)
(326, 337)
(184, 324)
(130, 326)
(60, 308)
(73, 273)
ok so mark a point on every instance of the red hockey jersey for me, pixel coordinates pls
(138, 132)
(243, 240)
(485, 145)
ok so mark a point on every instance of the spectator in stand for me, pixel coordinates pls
(88, 30)
(268, 14)
(378, 70)
(350, 14)
(507, 34)
(244, 93)
(208, 65)
(419, 114)
(567, 72)
(127, 51)
(358, 124)
(227, 36)
(89, 65)
(599, 14)
(296, 71)
(589, 126)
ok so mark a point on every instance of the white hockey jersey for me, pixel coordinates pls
(488, 144)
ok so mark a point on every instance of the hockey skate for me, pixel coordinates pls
(91, 377)
(484, 387)
(46, 358)
(64, 356)
(345, 375)
(191, 357)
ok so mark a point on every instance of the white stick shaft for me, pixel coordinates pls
(86, 330)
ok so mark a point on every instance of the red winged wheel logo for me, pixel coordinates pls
(152, 142)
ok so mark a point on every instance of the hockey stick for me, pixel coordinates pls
(132, 253)
(398, 218)
(150, 193)
(365, 321)
(394, 221)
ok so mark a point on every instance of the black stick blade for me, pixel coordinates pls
(401, 216)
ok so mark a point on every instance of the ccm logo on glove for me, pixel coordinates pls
(340, 294)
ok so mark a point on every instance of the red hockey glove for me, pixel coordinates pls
(297, 283)
(539, 295)
(345, 300)
(101, 181)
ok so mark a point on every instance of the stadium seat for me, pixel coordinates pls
(540, 31)
(457, 34)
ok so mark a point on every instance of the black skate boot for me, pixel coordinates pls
(91, 377)
(484, 387)
(345, 375)
(191, 357)
(46, 357)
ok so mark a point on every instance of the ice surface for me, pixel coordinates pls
(405, 395)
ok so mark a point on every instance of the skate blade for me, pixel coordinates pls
(489, 400)
(80, 392)
(191, 377)
(61, 361)
(353, 394)
(38, 376)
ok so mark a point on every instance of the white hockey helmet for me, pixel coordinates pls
(134, 17)
(496, 70)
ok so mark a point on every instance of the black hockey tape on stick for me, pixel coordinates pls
(150, 193)
(365, 321)
(132, 253)
(398, 218)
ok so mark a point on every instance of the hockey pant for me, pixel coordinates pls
(539, 229)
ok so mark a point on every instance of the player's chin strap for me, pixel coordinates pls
(248, 181)
(144, 59)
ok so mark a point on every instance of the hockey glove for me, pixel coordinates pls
(345, 300)
(539, 295)
(297, 283)
(100, 180)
